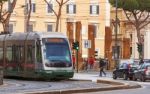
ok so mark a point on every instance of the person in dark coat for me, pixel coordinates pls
(141, 62)
(102, 65)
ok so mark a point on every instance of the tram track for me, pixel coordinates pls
(12, 86)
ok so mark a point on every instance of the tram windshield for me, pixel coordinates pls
(56, 52)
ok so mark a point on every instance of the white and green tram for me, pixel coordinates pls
(36, 55)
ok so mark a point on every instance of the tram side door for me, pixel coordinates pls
(38, 56)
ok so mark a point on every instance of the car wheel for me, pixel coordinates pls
(142, 78)
(114, 76)
(134, 78)
(125, 77)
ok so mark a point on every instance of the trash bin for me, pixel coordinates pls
(1, 75)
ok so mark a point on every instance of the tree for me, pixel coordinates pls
(57, 13)
(6, 14)
(28, 14)
(138, 14)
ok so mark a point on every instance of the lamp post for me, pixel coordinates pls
(116, 30)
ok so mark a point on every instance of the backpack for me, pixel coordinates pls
(101, 63)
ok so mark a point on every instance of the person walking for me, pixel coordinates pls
(85, 64)
(141, 62)
(91, 62)
(102, 64)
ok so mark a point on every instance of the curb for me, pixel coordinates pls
(117, 86)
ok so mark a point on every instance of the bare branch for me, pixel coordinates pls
(51, 7)
(58, 2)
(141, 13)
(145, 22)
(128, 17)
(65, 2)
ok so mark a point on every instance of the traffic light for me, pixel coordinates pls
(75, 45)
(96, 53)
(139, 47)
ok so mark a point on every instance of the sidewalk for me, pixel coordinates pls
(92, 75)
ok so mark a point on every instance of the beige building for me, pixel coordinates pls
(88, 12)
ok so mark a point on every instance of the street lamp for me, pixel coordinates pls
(116, 40)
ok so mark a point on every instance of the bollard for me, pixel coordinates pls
(1, 75)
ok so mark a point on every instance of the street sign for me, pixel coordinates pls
(87, 43)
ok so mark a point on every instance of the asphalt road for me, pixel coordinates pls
(144, 90)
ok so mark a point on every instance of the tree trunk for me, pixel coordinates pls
(140, 42)
(57, 23)
(58, 18)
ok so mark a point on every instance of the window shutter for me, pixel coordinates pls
(74, 10)
(67, 8)
(90, 9)
(33, 6)
(97, 9)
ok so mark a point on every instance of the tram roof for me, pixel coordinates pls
(31, 35)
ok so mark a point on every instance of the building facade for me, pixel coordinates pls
(95, 13)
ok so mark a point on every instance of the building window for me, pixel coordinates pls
(96, 29)
(71, 9)
(10, 28)
(49, 8)
(94, 9)
(30, 28)
(116, 54)
(49, 27)
(33, 7)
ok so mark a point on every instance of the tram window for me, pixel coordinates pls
(1, 54)
(21, 52)
(30, 53)
(38, 52)
(18, 53)
(9, 54)
(14, 52)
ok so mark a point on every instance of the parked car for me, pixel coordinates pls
(125, 71)
(142, 72)
(144, 60)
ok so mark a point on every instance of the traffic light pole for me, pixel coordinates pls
(116, 40)
(77, 59)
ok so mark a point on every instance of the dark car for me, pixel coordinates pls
(143, 72)
(144, 60)
(125, 71)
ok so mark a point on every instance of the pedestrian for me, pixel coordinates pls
(91, 62)
(107, 63)
(85, 64)
(141, 62)
(102, 65)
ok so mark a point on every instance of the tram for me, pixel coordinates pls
(36, 55)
